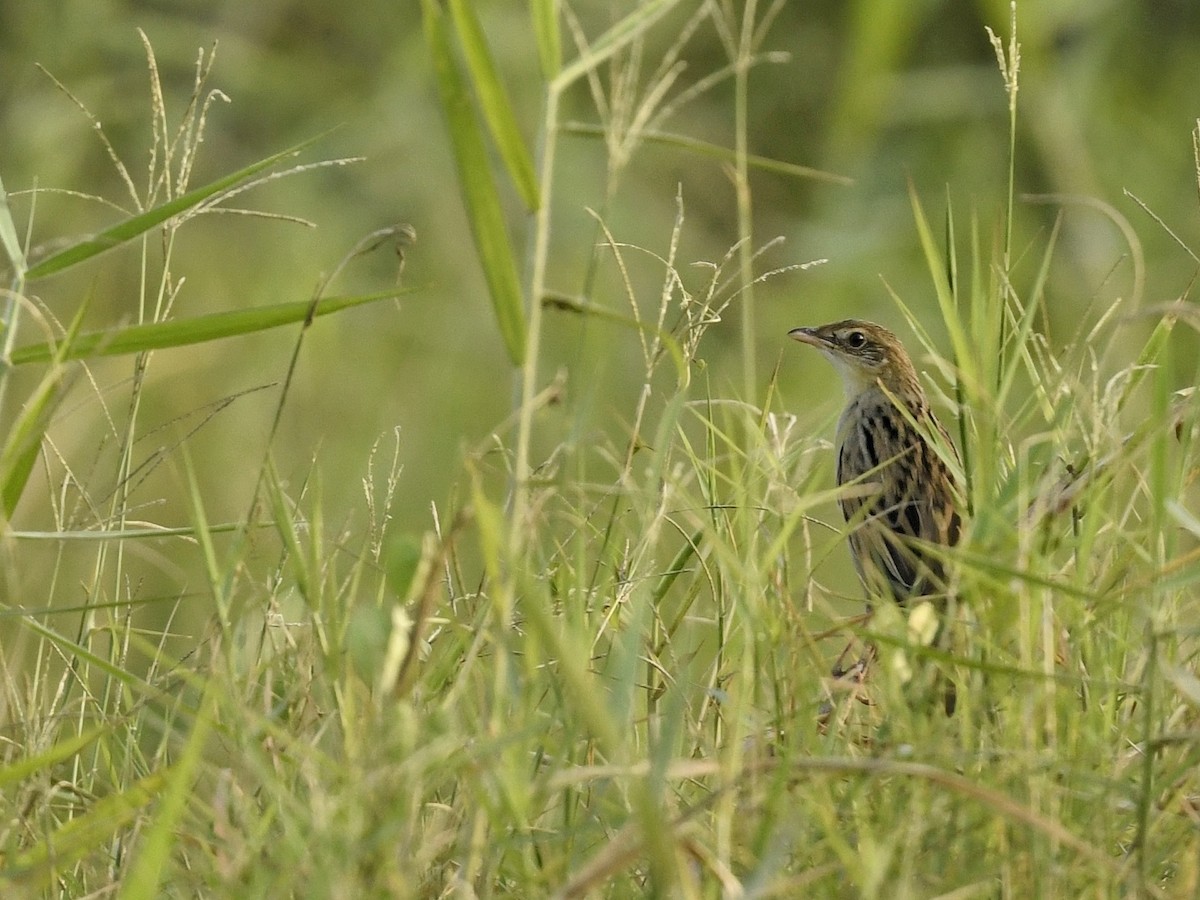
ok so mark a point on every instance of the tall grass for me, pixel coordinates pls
(603, 669)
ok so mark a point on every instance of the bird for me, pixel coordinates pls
(899, 496)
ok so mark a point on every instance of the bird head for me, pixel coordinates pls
(865, 354)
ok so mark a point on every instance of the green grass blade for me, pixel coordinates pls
(212, 566)
(25, 767)
(285, 524)
(938, 270)
(8, 234)
(478, 189)
(136, 225)
(546, 32)
(83, 834)
(83, 656)
(716, 151)
(197, 330)
(23, 442)
(494, 102)
(144, 880)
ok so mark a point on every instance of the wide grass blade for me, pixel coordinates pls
(478, 188)
(494, 103)
(197, 330)
(23, 442)
(545, 30)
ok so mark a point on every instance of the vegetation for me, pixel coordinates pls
(598, 663)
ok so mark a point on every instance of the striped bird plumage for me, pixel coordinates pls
(899, 495)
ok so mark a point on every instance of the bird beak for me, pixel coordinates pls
(806, 336)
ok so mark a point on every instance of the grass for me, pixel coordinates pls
(600, 670)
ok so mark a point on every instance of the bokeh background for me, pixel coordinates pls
(875, 91)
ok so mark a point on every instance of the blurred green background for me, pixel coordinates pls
(878, 91)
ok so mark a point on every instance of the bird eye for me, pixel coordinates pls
(856, 339)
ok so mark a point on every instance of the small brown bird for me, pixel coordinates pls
(899, 495)
(887, 464)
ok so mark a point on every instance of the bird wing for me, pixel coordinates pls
(902, 504)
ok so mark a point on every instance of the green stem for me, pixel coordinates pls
(537, 288)
(742, 187)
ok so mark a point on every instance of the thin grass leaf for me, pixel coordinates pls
(653, 800)
(29, 765)
(493, 101)
(144, 880)
(8, 235)
(83, 656)
(197, 330)
(478, 188)
(716, 151)
(1149, 358)
(938, 269)
(141, 223)
(23, 442)
(285, 524)
(1018, 338)
(85, 833)
(126, 534)
(204, 538)
(548, 36)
